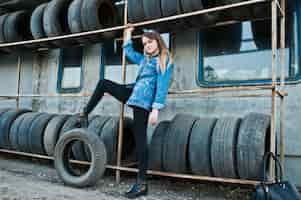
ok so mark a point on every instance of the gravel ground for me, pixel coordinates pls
(22, 178)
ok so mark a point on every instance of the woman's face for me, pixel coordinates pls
(150, 46)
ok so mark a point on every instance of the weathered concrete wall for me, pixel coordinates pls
(43, 80)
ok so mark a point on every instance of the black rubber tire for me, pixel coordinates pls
(74, 16)
(95, 127)
(98, 14)
(223, 147)
(16, 27)
(171, 7)
(135, 11)
(200, 145)
(23, 133)
(99, 158)
(6, 122)
(175, 150)
(71, 123)
(191, 5)
(2, 38)
(14, 131)
(55, 21)
(36, 133)
(109, 135)
(52, 131)
(36, 22)
(78, 148)
(152, 9)
(155, 150)
(3, 110)
(252, 144)
(2, 21)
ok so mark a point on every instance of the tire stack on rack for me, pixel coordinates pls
(226, 147)
(147, 10)
(38, 133)
(59, 17)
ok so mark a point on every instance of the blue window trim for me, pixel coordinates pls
(60, 77)
(291, 80)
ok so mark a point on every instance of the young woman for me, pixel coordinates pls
(146, 96)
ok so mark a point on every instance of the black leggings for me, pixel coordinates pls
(122, 93)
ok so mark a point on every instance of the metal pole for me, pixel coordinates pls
(18, 82)
(282, 84)
(120, 135)
(273, 110)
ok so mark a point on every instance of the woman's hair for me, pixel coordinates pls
(164, 54)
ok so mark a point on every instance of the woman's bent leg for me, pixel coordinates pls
(119, 91)
(140, 132)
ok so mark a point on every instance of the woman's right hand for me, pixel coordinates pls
(128, 32)
(129, 28)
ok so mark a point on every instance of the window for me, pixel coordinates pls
(112, 60)
(70, 70)
(241, 53)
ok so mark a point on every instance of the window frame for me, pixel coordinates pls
(59, 87)
(288, 80)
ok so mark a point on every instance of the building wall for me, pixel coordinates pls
(39, 75)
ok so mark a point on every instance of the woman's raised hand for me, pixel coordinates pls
(130, 28)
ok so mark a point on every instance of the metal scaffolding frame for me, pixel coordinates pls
(277, 90)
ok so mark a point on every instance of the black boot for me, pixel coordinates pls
(137, 190)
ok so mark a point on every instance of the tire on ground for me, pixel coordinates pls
(156, 146)
(200, 145)
(223, 147)
(14, 131)
(95, 127)
(6, 121)
(62, 156)
(52, 131)
(78, 148)
(23, 132)
(109, 135)
(176, 141)
(252, 143)
(36, 133)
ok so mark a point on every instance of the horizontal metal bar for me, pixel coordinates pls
(188, 176)
(116, 28)
(193, 91)
(159, 173)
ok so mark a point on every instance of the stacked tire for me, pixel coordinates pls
(59, 17)
(228, 147)
(38, 133)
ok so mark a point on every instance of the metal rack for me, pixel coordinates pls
(277, 90)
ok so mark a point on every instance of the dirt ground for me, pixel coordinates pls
(23, 178)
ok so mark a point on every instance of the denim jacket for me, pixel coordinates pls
(151, 86)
